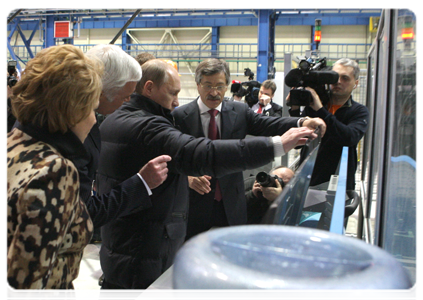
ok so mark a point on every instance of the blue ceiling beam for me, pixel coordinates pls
(191, 14)
(209, 20)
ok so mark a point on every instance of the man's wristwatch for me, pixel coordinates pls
(301, 121)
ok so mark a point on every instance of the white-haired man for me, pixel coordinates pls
(121, 74)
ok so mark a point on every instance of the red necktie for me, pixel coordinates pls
(214, 135)
(260, 109)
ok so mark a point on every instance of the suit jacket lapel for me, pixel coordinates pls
(228, 118)
(192, 119)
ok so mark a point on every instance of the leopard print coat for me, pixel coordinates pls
(48, 225)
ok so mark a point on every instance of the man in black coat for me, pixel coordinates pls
(265, 104)
(138, 248)
(122, 72)
(235, 120)
(346, 122)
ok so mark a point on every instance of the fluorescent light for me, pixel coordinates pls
(309, 11)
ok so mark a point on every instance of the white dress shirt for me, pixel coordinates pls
(205, 120)
(205, 117)
(256, 106)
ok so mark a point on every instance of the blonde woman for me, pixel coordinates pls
(48, 225)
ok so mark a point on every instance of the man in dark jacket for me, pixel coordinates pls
(265, 105)
(121, 74)
(138, 248)
(346, 122)
(235, 121)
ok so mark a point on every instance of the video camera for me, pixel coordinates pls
(310, 73)
(266, 180)
(11, 70)
(248, 89)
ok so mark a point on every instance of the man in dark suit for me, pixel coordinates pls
(221, 202)
(265, 105)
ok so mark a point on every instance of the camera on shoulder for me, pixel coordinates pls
(310, 73)
(248, 89)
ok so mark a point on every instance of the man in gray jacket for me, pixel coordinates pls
(219, 201)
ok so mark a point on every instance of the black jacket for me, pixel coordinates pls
(256, 206)
(10, 117)
(345, 128)
(237, 121)
(138, 248)
(120, 201)
(274, 111)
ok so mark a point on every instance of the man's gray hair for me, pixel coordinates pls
(119, 68)
(350, 63)
(210, 67)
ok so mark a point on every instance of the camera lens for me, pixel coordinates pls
(264, 179)
(304, 65)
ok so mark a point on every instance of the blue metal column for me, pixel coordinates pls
(49, 32)
(125, 41)
(215, 41)
(266, 38)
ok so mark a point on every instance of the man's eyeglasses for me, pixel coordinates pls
(218, 88)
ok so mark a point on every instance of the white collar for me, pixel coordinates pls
(267, 107)
(204, 109)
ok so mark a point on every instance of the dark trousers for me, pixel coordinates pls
(111, 291)
(217, 219)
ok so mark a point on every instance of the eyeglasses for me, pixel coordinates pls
(218, 88)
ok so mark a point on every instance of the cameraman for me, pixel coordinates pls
(346, 122)
(265, 105)
(259, 198)
(237, 93)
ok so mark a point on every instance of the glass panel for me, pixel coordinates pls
(378, 139)
(399, 228)
(368, 137)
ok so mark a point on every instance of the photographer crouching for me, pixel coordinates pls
(261, 190)
(346, 120)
